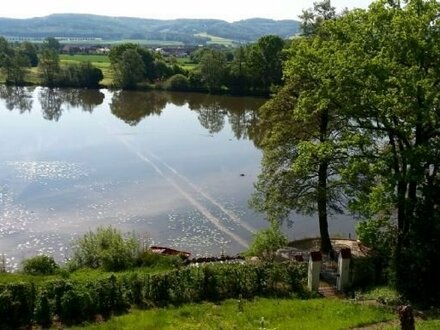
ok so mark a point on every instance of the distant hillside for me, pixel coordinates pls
(125, 28)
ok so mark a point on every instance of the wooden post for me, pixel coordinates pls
(406, 316)
(315, 261)
(343, 276)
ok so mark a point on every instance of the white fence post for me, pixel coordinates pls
(315, 261)
(343, 276)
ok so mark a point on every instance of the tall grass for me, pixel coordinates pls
(256, 314)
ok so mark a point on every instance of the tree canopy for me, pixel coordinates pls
(372, 77)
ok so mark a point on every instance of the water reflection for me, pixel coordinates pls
(19, 98)
(85, 99)
(241, 112)
(52, 101)
(132, 107)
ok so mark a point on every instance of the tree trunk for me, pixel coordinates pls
(326, 245)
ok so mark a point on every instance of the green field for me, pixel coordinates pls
(216, 40)
(257, 314)
(186, 64)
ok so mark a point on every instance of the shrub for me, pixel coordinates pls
(79, 301)
(150, 259)
(40, 265)
(106, 248)
(178, 82)
(16, 304)
(266, 242)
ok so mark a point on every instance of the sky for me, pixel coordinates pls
(229, 10)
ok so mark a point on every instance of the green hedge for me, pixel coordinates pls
(77, 301)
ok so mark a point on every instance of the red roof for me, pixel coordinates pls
(169, 251)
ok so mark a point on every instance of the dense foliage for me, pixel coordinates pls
(105, 248)
(79, 301)
(357, 124)
(266, 242)
(16, 60)
(40, 265)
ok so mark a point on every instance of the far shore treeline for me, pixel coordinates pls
(252, 69)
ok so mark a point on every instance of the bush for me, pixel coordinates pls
(266, 242)
(79, 301)
(178, 82)
(16, 304)
(40, 265)
(106, 248)
(150, 259)
(80, 75)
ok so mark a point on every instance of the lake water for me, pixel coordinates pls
(177, 169)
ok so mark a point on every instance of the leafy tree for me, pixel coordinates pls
(304, 140)
(30, 51)
(129, 70)
(52, 43)
(40, 265)
(213, 69)
(147, 70)
(14, 67)
(311, 19)
(49, 66)
(162, 70)
(239, 76)
(265, 62)
(12, 63)
(266, 242)
(388, 72)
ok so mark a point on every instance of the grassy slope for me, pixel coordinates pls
(257, 314)
(216, 40)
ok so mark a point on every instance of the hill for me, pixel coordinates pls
(107, 29)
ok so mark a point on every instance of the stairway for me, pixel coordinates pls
(328, 290)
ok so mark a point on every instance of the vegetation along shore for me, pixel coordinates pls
(351, 126)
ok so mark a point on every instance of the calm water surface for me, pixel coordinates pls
(167, 166)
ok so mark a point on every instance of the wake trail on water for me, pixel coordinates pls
(229, 213)
(203, 210)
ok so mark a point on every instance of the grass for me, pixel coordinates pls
(216, 40)
(186, 64)
(433, 324)
(260, 313)
(383, 294)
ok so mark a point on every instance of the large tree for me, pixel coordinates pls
(303, 138)
(213, 69)
(49, 63)
(129, 70)
(388, 71)
(265, 62)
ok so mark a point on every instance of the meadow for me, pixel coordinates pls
(260, 313)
